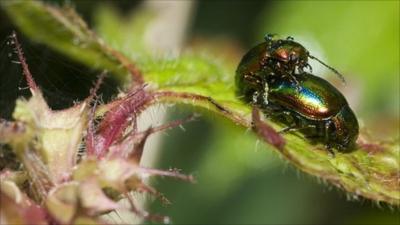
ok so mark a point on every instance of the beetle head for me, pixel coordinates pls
(288, 53)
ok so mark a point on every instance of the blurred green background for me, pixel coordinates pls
(239, 180)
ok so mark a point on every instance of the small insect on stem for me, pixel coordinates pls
(295, 98)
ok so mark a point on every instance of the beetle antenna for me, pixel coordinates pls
(329, 67)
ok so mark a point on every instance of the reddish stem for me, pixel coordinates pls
(266, 132)
(31, 82)
(118, 119)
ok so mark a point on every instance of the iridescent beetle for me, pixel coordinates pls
(277, 57)
(318, 110)
(271, 77)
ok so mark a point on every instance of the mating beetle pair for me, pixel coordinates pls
(271, 76)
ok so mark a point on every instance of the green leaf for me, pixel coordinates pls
(192, 78)
(63, 30)
(122, 32)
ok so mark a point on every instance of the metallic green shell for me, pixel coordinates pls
(316, 99)
(346, 129)
(316, 104)
(267, 58)
(311, 104)
(250, 65)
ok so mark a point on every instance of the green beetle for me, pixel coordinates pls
(318, 109)
(278, 57)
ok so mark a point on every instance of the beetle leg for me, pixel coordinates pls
(298, 87)
(300, 70)
(328, 146)
(326, 130)
(289, 129)
(265, 94)
(294, 127)
(271, 110)
(255, 96)
(293, 79)
(330, 150)
(254, 80)
(309, 67)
